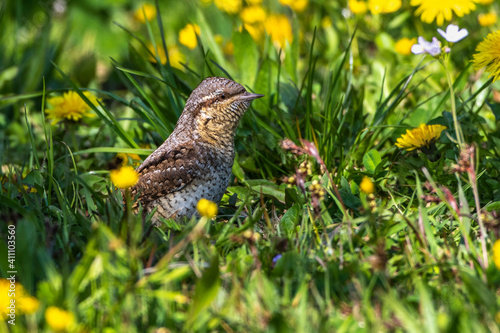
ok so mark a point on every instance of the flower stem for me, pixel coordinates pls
(472, 176)
(458, 129)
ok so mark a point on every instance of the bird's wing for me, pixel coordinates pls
(165, 172)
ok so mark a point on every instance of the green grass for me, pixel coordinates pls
(410, 257)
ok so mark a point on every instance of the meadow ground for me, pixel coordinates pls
(365, 193)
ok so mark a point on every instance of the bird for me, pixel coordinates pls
(195, 161)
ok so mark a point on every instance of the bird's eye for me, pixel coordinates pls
(222, 96)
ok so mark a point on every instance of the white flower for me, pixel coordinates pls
(423, 46)
(453, 34)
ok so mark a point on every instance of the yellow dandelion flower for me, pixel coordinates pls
(147, 12)
(358, 7)
(326, 22)
(5, 299)
(296, 5)
(255, 30)
(28, 305)
(253, 15)
(484, 2)
(488, 55)
(58, 319)
(383, 6)
(124, 177)
(496, 253)
(419, 137)
(430, 10)
(207, 208)
(124, 157)
(70, 106)
(366, 186)
(228, 48)
(187, 36)
(229, 6)
(134, 157)
(174, 55)
(14, 300)
(487, 19)
(280, 30)
(161, 53)
(403, 46)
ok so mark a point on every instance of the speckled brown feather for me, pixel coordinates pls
(168, 173)
(196, 159)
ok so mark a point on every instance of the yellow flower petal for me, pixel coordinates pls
(70, 106)
(383, 6)
(174, 55)
(367, 185)
(496, 253)
(419, 137)
(147, 12)
(187, 36)
(229, 6)
(487, 19)
(358, 7)
(296, 5)
(488, 55)
(253, 14)
(430, 10)
(124, 177)
(14, 293)
(59, 319)
(207, 208)
(280, 29)
(403, 46)
(28, 305)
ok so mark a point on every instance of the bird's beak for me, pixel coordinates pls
(249, 96)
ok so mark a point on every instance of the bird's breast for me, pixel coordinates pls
(210, 184)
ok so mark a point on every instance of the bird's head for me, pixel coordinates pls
(216, 107)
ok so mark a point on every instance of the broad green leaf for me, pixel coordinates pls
(493, 206)
(290, 219)
(371, 160)
(272, 191)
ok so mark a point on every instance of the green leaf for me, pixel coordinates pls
(237, 170)
(495, 108)
(493, 206)
(371, 160)
(292, 197)
(350, 200)
(246, 56)
(272, 191)
(144, 152)
(290, 219)
(205, 292)
(34, 178)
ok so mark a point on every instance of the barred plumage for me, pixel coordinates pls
(196, 159)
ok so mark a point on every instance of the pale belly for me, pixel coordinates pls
(182, 203)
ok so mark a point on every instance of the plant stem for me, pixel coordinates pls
(458, 129)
